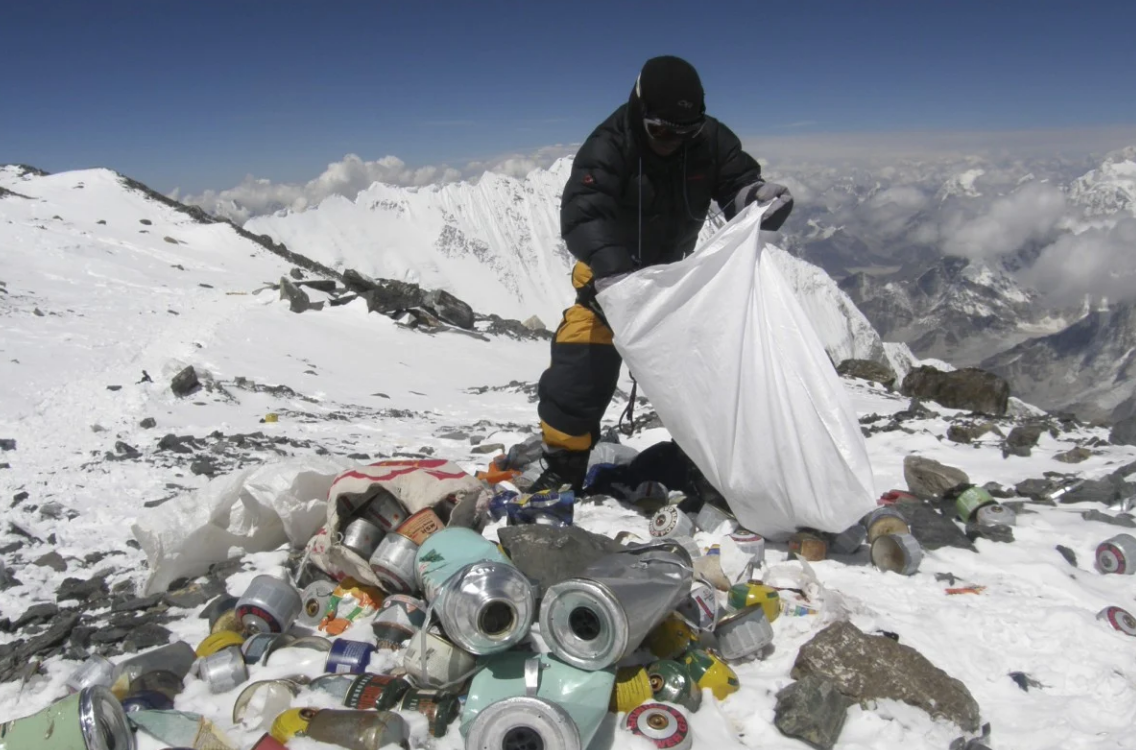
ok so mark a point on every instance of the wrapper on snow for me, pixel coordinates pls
(739, 376)
(254, 510)
(416, 484)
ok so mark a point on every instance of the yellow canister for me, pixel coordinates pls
(709, 671)
(671, 638)
(217, 641)
(292, 723)
(228, 622)
(632, 689)
(744, 595)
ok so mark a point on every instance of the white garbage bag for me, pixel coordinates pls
(738, 375)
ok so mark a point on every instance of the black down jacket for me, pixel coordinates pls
(625, 207)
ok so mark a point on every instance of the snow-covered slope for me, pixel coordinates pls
(1110, 189)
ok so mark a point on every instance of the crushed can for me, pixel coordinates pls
(884, 520)
(291, 723)
(258, 648)
(973, 498)
(315, 597)
(269, 605)
(359, 730)
(632, 688)
(399, 618)
(897, 553)
(159, 680)
(91, 719)
(420, 526)
(548, 507)
(598, 618)
(440, 709)
(362, 537)
(177, 657)
(393, 564)
(700, 607)
(484, 603)
(709, 672)
(385, 511)
(349, 657)
(147, 700)
(525, 700)
(261, 702)
(711, 518)
(665, 726)
(750, 543)
(95, 671)
(671, 638)
(1119, 619)
(433, 662)
(1117, 555)
(744, 634)
(669, 522)
(995, 515)
(223, 670)
(742, 595)
(809, 546)
(217, 641)
(671, 682)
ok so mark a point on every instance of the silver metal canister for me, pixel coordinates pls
(1117, 555)
(1119, 619)
(711, 518)
(385, 511)
(595, 620)
(433, 662)
(523, 722)
(750, 543)
(885, 520)
(362, 537)
(400, 617)
(744, 634)
(269, 605)
(257, 648)
(848, 541)
(700, 607)
(665, 726)
(995, 515)
(393, 564)
(223, 670)
(898, 553)
(315, 599)
(670, 522)
(96, 670)
(486, 607)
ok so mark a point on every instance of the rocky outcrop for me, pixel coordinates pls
(971, 388)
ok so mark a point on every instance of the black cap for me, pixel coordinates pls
(669, 88)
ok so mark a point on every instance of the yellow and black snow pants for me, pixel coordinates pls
(579, 384)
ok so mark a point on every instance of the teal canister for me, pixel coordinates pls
(91, 719)
(530, 700)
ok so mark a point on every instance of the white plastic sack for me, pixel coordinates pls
(736, 372)
(254, 510)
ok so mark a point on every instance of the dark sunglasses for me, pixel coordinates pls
(662, 130)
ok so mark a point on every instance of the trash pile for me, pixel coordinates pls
(403, 622)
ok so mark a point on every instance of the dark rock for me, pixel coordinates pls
(997, 490)
(15, 528)
(1024, 435)
(185, 382)
(171, 240)
(915, 410)
(1092, 491)
(866, 667)
(499, 326)
(35, 614)
(32, 651)
(969, 388)
(1096, 515)
(449, 308)
(136, 604)
(928, 478)
(176, 444)
(957, 433)
(147, 222)
(298, 299)
(453, 435)
(996, 532)
(296, 273)
(94, 588)
(7, 444)
(932, 529)
(1023, 451)
(7, 578)
(1069, 555)
(107, 635)
(390, 296)
(126, 450)
(146, 636)
(53, 510)
(357, 282)
(336, 302)
(19, 497)
(488, 448)
(193, 594)
(865, 369)
(80, 638)
(327, 286)
(548, 555)
(1123, 432)
(148, 423)
(1034, 488)
(1024, 681)
(1074, 455)
(52, 560)
(811, 709)
(204, 465)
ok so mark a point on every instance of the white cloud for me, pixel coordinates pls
(1100, 262)
(1007, 224)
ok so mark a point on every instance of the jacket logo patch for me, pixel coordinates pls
(589, 180)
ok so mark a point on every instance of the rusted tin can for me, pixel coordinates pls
(385, 511)
(399, 618)
(315, 598)
(701, 607)
(269, 605)
(744, 634)
(709, 672)
(671, 682)
(362, 537)
(91, 719)
(292, 723)
(259, 703)
(348, 657)
(217, 641)
(665, 726)
(669, 522)
(632, 689)
(671, 638)
(393, 564)
(971, 500)
(885, 520)
(711, 519)
(1119, 619)
(359, 730)
(897, 553)
(420, 526)
(433, 662)
(223, 670)
(1117, 555)
(742, 595)
(809, 546)
(440, 709)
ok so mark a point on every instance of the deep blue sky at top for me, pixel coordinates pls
(199, 94)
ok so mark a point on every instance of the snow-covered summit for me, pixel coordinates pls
(1110, 188)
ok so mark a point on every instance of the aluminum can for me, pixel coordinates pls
(159, 680)
(269, 605)
(744, 634)
(632, 689)
(359, 730)
(385, 511)
(440, 709)
(742, 595)
(217, 641)
(971, 500)
(399, 618)
(671, 682)
(272, 697)
(523, 721)
(96, 670)
(292, 723)
(420, 526)
(995, 515)
(885, 520)
(671, 638)
(809, 546)
(1119, 619)
(433, 662)
(700, 608)
(665, 726)
(349, 657)
(750, 543)
(362, 537)
(898, 553)
(484, 603)
(91, 719)
(600, 617)
(315, 598)
(147, 700)
(393, 564)
(223, 670)
(377, 691)
(849, 540)
(669, 522)
(709, 672)
(1117, 555)
(257, 648)
(711, 518)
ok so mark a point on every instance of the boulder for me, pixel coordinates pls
(1125, 520)
(970, 388)
(534, 324)
(866, 369)
(931, 528)
(185, 382)
(449, 308)
(811, 709)
(870, 667)
(1074, 455)
(928, 478)
(298, 299)
(1123, 432)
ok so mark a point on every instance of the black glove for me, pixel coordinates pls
(778, 198)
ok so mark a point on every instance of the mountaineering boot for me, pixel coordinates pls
(562, 468)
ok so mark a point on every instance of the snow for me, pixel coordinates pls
(109, 294)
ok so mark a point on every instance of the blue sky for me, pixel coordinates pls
(198, 94)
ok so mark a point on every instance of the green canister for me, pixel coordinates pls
(672, 682)
(91, 719)
(971, 500)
